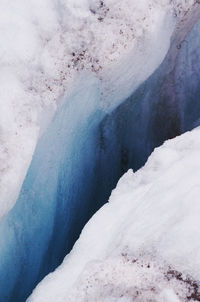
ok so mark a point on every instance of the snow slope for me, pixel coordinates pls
(143, 244)
(46, 45)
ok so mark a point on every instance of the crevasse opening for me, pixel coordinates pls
(78, 161)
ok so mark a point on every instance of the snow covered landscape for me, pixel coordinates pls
(88, 90)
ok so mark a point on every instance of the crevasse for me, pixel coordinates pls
(140, 244)
(87, 147)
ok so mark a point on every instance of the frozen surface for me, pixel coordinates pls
(143, 243)
(62, 79)
(57, 198)
(44, 47)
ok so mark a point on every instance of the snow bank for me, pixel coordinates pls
(45, 45)
(144, 243)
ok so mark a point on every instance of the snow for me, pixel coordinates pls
(46, 45)
(144, 243)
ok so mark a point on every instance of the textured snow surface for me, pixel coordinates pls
(143, 245)
(46, 44)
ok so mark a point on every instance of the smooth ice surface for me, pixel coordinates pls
(139, 243)
(46, 45)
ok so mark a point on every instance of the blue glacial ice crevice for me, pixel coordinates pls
(81, 156)
(164, 106)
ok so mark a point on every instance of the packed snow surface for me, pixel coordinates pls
(143, 245)
(46, 44)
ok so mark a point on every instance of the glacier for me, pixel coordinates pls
(72, 133)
